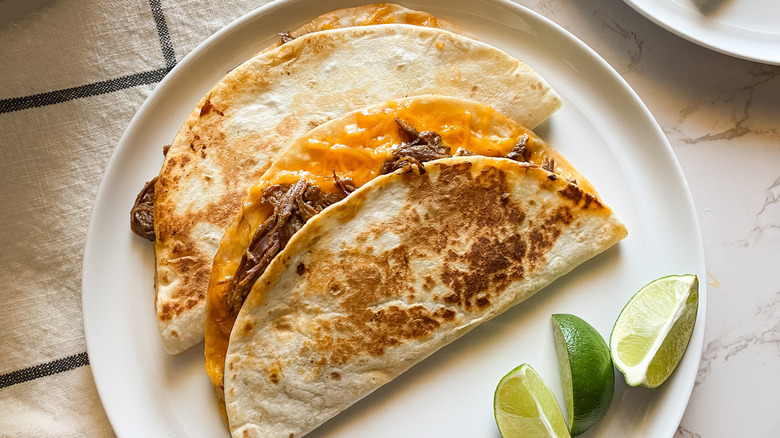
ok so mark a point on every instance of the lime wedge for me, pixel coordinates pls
(654, 328)
(525, 407)
(587, 375)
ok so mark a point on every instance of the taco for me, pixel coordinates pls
(405, 265)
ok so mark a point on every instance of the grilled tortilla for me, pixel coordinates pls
(405, 265)
(232, 135)
(329, 162)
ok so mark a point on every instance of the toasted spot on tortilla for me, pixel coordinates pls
(247, 328)
(168, 309)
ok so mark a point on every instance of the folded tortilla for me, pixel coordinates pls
(405, 265)
(352, 150)
(367, 15)
(231, 137)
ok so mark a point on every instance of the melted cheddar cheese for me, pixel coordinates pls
(388, 14)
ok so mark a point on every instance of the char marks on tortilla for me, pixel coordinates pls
(405, 265)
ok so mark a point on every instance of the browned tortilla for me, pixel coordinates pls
(403, 266)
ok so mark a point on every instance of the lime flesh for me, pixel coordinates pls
(653, 330)
(524, 407)
(587, 375)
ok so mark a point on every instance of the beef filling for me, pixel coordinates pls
(346, 185)
(416, 148)
(142, 213)
(549, 164)
(293, 205)
(285, 37)
(461, 152)
(520, 152)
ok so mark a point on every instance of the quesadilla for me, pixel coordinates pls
(231, 137)
(329, 162)
(408, 263)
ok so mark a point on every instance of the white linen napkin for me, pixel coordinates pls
(73, 74)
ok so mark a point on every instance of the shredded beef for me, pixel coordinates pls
(293, 206)
(285, 37)
(520, 152)
(549, 164)
(142, 213)
(463, 153)
(416, 148)
(346, 184)
(408, 133)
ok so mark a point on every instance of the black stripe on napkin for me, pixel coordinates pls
(93, 89)
(162, 31)
(47, 369)
(107, 86)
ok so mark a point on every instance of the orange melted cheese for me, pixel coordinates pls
(386, 14)
(357, 149)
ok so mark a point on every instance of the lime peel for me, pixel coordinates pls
(587, 375)
(654, 328)
(525, 407)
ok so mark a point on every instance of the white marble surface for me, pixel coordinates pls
(722, 118)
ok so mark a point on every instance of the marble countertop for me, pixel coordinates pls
(720, 114)
(722, 118)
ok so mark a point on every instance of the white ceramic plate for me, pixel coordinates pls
(748, 29)
(604, 130)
